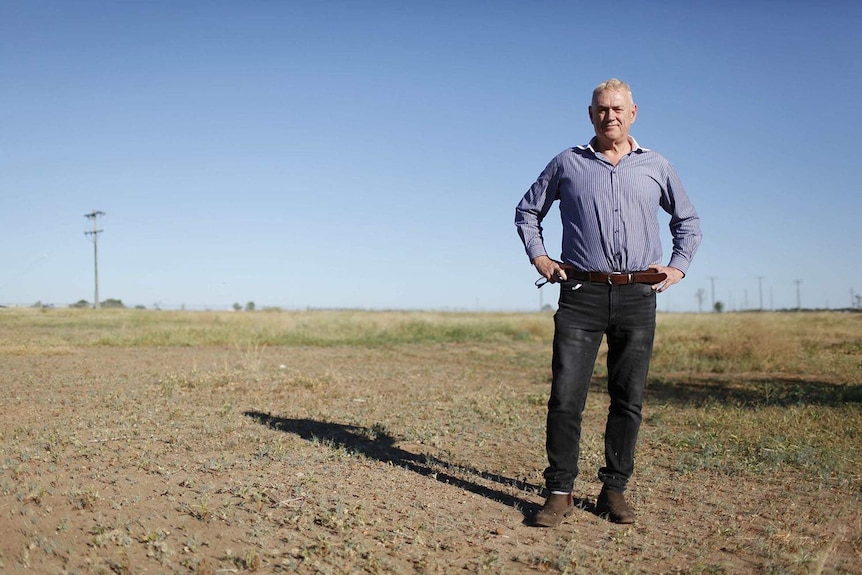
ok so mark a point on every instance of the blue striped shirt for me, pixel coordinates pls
(610, 213)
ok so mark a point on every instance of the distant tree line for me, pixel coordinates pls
(108, 303)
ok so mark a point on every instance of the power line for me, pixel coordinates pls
(94, 215)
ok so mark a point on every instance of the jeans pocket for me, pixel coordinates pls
(646, 290)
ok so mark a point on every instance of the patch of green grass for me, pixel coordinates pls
(737, 440)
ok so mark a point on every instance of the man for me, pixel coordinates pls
(609, 191)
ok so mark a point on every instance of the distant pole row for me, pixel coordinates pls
(798, 283)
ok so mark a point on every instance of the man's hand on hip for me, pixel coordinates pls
(673, 276)
(549, 269)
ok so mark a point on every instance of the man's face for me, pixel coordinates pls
(612, 114)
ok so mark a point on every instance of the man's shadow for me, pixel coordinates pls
(378, 444)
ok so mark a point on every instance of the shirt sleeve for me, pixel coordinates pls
(533, 208)
(684, 221)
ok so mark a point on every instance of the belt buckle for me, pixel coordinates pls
(629, 278)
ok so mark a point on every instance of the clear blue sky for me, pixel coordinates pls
(371, 154)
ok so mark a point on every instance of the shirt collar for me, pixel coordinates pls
(635, 146)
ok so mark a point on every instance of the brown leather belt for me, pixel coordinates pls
(616, 279)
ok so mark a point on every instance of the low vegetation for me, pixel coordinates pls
(141, 441)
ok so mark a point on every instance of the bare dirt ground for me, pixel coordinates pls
(413, 459)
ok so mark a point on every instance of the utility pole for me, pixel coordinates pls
(760, 290)
(798, 296)
(699, 296)
(712, 282)
(94, 215)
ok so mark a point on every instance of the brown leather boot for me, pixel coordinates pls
(556, 508)
(612, 504)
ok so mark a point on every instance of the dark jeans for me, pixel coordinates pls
(626, 314)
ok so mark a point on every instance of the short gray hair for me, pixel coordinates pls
(613, 85)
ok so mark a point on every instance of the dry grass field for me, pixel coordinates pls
(136, 441)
